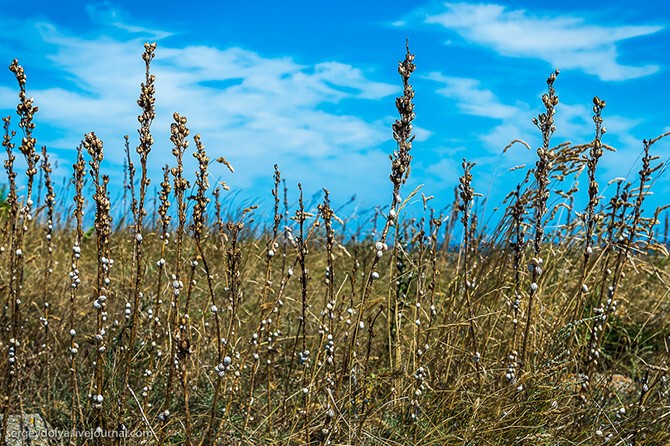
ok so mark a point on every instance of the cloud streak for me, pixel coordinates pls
(563, 41)
(471, 98)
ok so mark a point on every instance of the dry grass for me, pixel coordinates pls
(199, 330)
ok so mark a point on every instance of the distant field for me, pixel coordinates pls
(432, 329)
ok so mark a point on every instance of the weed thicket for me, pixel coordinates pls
(196, 330)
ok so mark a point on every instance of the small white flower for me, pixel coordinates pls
(19, 253)
(361, 325)
(214, 309)
(138, 237)
(73, 332)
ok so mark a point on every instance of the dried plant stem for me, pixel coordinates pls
(146, 103)
(400, 166)
(155, 313)
(48, 270)
(79, 172)
(518, 212)
(304, 278)
(467, 195)
(21, 219)
(103, 219)
(544, 122)
(12, 217)
(179, 133)
(590, 217)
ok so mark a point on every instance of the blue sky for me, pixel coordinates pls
(311, 85)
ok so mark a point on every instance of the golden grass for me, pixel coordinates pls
(197, 330)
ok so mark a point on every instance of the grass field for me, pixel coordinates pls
(418, 329)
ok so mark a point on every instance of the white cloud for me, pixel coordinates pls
(253, 109)
(471, 98)
(566, 42)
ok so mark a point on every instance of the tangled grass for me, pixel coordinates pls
(195, 329)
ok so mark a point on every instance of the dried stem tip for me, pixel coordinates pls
(402, 128)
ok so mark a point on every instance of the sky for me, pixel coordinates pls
(311, 86)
